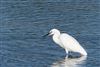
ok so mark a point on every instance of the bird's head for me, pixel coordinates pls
(52, 32)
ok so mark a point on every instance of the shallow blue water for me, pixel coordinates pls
(24, 22)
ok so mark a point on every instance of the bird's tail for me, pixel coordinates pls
(83, 52)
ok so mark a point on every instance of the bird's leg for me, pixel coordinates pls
(66, 52)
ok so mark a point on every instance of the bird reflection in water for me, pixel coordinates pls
(70, 62)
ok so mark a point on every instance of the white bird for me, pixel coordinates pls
(67, 42)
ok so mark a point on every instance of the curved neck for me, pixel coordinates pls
(56, 37)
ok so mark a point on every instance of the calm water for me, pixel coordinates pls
(24, 22)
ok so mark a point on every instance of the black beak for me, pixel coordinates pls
(46, 34)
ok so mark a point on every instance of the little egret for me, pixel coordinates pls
(67, 42)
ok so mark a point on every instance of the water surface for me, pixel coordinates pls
(24, 22)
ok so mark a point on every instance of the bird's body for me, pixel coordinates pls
(67, 42)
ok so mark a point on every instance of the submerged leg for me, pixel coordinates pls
(66, 53)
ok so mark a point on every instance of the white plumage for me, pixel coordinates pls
(67, 42)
